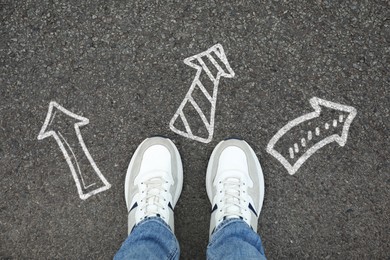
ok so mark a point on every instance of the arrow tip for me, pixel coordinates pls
(50, 116)
(318, 103)
(217, 57)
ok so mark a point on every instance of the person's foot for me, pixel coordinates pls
(234, 183)
(154, 181)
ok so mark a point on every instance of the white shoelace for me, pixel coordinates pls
(233, 202)
(153, 199)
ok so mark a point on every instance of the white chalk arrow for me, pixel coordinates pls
(87, 176)
(198, 62)
(311, 141)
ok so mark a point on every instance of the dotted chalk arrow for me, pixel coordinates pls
(87, 176)
(311, 141)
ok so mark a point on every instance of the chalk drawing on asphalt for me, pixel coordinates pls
(88, 178)
(217, 66)
(301, 150)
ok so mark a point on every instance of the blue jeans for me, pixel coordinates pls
(153, 239)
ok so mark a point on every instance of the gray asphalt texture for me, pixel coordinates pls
(120, 64)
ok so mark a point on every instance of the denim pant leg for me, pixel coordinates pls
(235, 239)
(150, 239)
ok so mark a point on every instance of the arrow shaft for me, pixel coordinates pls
(74, 163)
(87, 176)
(292, 124)
(209, 123)
(318, 128)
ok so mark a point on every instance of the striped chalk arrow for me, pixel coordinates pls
(321, 134)
(218, 67)
(87, 176)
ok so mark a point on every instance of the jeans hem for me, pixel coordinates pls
(226, 223)
(154, 219)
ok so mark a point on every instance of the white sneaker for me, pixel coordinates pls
(154, 181)
(234, 183)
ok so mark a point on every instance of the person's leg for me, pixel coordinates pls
(235, 239)
(153, 185)
(235, 187)
(150, 239)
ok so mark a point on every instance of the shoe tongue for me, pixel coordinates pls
(152, 175)
(229, 175)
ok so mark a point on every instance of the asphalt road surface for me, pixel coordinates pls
(120, 65)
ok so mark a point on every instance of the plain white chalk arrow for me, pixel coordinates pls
(306, 144)
(88, 178)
